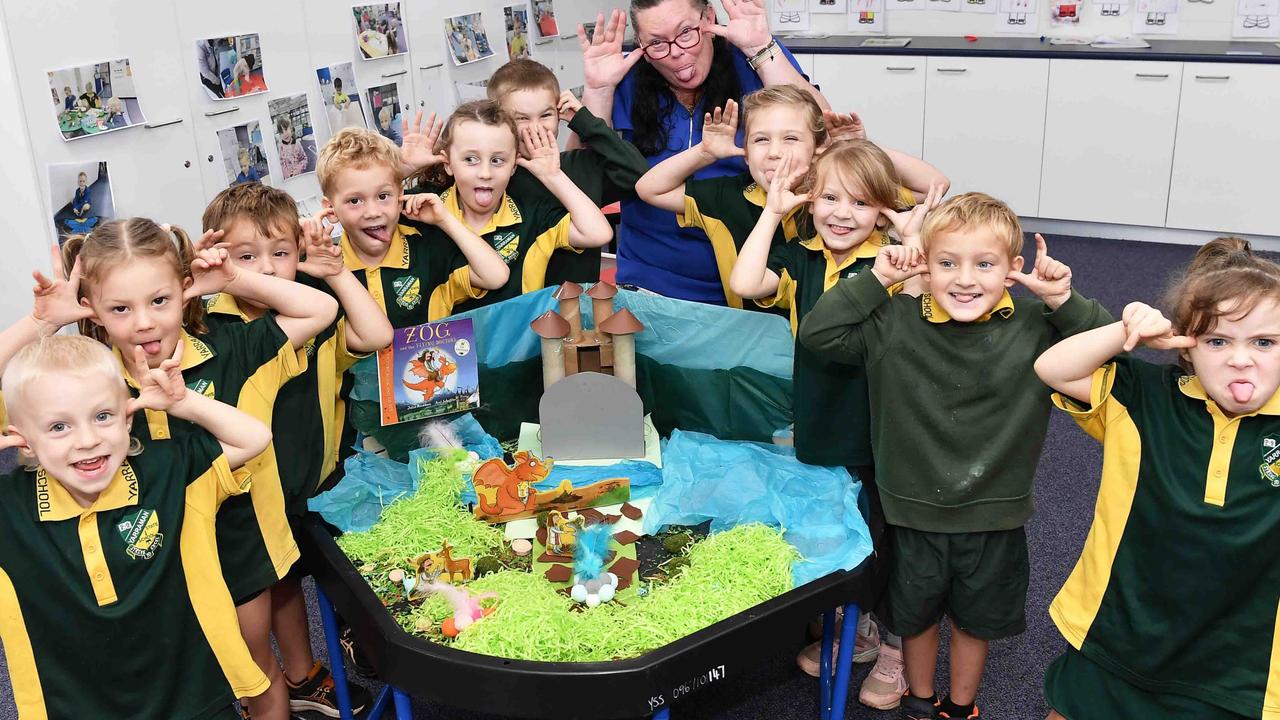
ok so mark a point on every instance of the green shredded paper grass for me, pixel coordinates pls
(727, 573)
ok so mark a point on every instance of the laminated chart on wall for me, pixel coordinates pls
(1110, 8)
(866, 17)
(1016, 16)
(1155, 17)
(828, 7)
(943, 5)
(978, 6)
(1256, 19)
(907, 4)
(788, 16)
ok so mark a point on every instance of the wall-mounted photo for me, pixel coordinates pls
(517, 19)
(231, 67)
(80, 195)
(295, 135)
(385, 107)
(380, 30)
(95, 98)
(467, 39)
(544, 18)
(341, 97)
(242, 154)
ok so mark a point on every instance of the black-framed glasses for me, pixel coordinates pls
(687, 39)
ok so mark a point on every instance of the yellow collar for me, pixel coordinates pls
(869, 248)
(225, 304)
(194, 352)
(1191, 387)
(397, 252)
(53, 502)
(508, 212)
(933, 312)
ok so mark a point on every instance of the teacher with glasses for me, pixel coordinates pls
(692, 65)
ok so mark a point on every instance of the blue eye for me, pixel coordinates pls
(58, 427)
(1265, 343)
(102, 416)
(985, 265)
(1216, 342)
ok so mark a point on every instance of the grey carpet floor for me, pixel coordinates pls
(1115, 272)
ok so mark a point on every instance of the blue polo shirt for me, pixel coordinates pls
(654, 252)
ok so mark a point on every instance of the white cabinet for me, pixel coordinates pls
(984, 125)
(1108, 140)
(1227, 149)
(886, 91)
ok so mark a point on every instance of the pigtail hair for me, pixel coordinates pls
(192, 310)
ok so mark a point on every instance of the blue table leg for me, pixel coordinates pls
(824, 664)
(380, 705)
(330, 622)
(844, 664)
(404, 709)
(663, 714)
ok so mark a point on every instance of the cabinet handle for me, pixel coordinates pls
(432, 66)
(394, 74)
(152, 126)
(570, 36)
(899, 68)
(543, 41)
(223, 111)
(953, 70)
(1213, 77)
(1153, 76)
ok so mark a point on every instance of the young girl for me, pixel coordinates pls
(293, 157)
(142, 282)
(479, 143)
(778, 120)
(1171, 609)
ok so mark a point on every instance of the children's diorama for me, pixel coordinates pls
(565, 545)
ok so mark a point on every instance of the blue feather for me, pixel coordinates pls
(591, 551)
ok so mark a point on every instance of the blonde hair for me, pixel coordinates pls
(1224, 278)
(119, 242)
(786, 96)
(485, 112)
(355, 148)
(269, 209)
(971, 211)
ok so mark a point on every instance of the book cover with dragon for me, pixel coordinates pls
(428, 370)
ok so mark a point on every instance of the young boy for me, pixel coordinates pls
(958, 420)
(262, 233)
(359, 173)
(110, 584)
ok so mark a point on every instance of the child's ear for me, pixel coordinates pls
(187, 282)
(1015, 266)
(325, 202)
(84, 302)
(13, 438)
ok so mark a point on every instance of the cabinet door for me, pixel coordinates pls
(153, 170)
(886, 91)
(1227, 149)
(1108, 142)
(984, 126)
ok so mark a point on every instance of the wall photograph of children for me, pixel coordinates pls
(385, 108)
(517, 22)
(242, 154)
(80, 196)
(95, 98)
(380, 30)
(544, 18)
(231, 67)
(295, 135)
(341, 97)
(467, 39)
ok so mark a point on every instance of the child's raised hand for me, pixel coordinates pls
(211, 272)
(1049, 279)
(425, 207)
(208, 239)
(781, 199)
(843, 127)
(324, 257)
(568, 106)
(1146, 325)
(908, 223)
(539, 152)
(720, 132)
(158, 388)
(898, 263)
(418, 149)
(57, 301)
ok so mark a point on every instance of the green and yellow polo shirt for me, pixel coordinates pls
(419, 279)
(829, 399)
(118, 610)
(525, 231)
(1178, 587)
(244, 365)
(309, 418)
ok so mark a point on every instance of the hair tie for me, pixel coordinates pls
(172, 235)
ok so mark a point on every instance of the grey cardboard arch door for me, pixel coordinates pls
(591, 416)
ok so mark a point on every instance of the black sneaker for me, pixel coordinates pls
(355, 657)
(317, 694)
(914, 708)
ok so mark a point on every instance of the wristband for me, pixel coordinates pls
(765, 54)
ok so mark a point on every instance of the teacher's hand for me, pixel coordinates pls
(603, 61)
(748, 27)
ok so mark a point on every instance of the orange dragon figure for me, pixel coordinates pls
(506, 490)
(433, 368)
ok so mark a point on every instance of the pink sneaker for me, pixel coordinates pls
(866, 649)
(884, 687)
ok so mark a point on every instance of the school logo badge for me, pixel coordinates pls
(408, 291)
(508, 246)
(141, 534)
(310, 348)
(202, 387)
(1270, 468)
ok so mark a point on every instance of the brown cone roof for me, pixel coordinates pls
(550, 325)
(602, 290)
(622, 323)
(569, 291)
